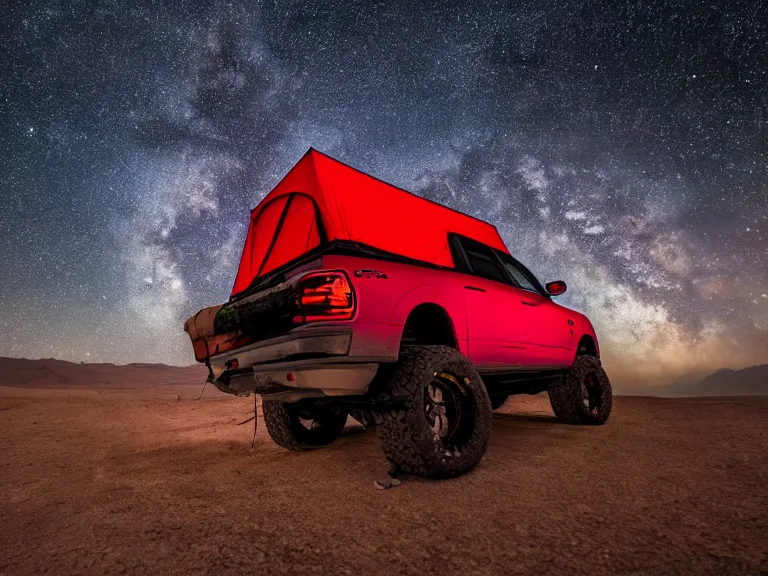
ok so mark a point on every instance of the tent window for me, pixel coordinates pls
(264, 230)
(297, 235)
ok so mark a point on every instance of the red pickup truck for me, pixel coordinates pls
(354, 297)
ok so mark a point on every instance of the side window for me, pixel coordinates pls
(521, 275)
(457, 253)
(482, 260)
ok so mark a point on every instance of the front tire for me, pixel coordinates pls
(443, 425)
(584, 395)
(302, 428)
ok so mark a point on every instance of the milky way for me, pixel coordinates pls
(623, 148)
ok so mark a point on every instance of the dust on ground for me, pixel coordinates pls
(149, 480)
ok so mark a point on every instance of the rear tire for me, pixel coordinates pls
(444, 422)
(296, 428)
(584, 395)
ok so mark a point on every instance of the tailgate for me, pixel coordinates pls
(225, 327)
(261, 314)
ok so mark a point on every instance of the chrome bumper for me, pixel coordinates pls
(296, 345)
(294, 366)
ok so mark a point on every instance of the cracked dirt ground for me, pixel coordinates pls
(135, 481)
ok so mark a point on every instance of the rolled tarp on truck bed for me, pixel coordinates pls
(322, 200)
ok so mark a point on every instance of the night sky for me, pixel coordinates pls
(620, 147)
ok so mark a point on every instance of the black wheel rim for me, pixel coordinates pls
(592, 394)
(449, 410)
(309, 424)
(307, 420)
(313, 420)
(314, 425)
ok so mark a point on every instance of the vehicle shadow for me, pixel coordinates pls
(527, 418)
(356, 429)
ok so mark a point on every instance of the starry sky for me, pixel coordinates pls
(620, 146)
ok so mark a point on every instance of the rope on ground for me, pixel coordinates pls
(254, 418)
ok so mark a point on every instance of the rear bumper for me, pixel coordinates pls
(295, 346)
(301, 364)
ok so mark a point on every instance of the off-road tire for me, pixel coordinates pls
(498, 401)
(571, 399)
(286, 429)
(407, 438)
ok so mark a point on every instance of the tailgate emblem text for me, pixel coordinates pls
(370, 274)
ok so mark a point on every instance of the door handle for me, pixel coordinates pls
(529, 303)
(474, 288)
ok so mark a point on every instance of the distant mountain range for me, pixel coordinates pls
(48, 373)
(726, 382)
(751, 381)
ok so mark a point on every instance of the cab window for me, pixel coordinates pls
(482, 261)
(523, 277)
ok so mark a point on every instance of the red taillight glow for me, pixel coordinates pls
(325, 296)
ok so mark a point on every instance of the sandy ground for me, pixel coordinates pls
(136, 481)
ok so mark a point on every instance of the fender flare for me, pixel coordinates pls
(577, 342)
(446, 299)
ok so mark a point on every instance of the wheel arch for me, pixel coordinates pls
(429, 323)
(443, 298)
(587, 346)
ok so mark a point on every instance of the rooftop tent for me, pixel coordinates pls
(321, 200)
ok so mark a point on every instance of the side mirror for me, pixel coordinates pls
(556, 288)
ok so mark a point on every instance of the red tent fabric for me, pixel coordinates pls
(322, 199)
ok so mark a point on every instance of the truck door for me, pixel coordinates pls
(495, 312)
(549, 333)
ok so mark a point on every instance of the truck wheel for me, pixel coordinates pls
(302, 428)
(584, 395)
(443, 424)
(498, 401)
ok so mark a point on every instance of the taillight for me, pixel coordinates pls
(325, 296)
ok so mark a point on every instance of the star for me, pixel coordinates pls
(142, 139)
